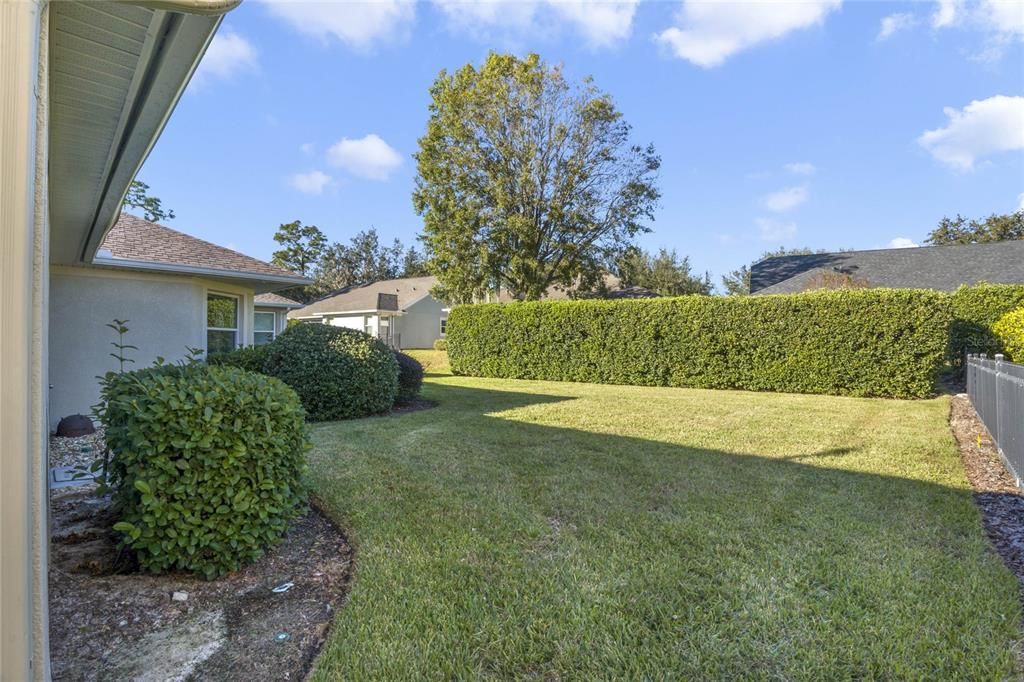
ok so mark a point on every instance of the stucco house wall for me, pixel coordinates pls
(421, 324)
(166, 316)
(356, 322)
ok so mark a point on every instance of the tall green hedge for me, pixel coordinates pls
(975, 310)
(869, 342)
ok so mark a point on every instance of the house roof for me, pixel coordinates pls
(368, 297)
(137, 243)
(943, 268)
(271, 300)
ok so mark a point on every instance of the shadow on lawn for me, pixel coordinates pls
(715, 563)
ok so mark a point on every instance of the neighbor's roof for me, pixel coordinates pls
(275, 301)
(365, 297)
(942, 268)
(134, 241)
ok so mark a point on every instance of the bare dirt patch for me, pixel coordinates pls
(995, 491)
(106, 624)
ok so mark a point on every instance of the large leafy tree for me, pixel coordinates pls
(664, 273)
(301, 247)
(526, 180)
(152, 208)
(737, 282)
(364, 259)
(960, 230)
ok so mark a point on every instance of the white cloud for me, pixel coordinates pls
(983, 127)
(359, 25)
(367, 157)
(312, 182)
(801, 168)
(708, 33)
(774, 230)
(1003, 16)
(227, 54)
(894, 23)
(785, 199)
(600, 23)
(946, 13)
(902, 243)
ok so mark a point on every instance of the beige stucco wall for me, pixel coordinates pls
(421, 324)
(166, 316)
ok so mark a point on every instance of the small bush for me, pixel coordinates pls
(1009, 329)
(410, 378)
(864, 342)
(975, 310)
(338, 373)
(207, 464)
(251, 358)
(440, 344)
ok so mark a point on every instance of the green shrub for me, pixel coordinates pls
(338, 373)
(440, 344)
(867, 342)
(975, 310)
(251, 358)
(410, 378)
(1009, 329)
(207, 464)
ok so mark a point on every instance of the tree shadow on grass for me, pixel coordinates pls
(491, 544)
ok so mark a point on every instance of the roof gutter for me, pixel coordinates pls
(130, 151)
(155, 266)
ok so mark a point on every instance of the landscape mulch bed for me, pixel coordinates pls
(106, 624)
(995, 490)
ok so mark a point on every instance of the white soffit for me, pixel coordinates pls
(116, 72)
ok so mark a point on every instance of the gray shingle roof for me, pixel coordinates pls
(135, 239)
(942, 268)
(276, 301)
(408, 290)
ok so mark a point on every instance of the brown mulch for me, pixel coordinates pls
(995, 490)
(108, 625)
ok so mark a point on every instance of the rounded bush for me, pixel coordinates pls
(206, 465)
(975, 310)
(338, 373)
(1010, 330)
(440, 344)
(250, 358)
(410, 378)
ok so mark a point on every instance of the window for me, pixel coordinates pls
(221, 323)
(368, 325)
(444, 325)
(263, 328)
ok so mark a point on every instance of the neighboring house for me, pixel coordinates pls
(176, 292)
(400, 312)
(404, 314)
(943, 268)
(86, 89)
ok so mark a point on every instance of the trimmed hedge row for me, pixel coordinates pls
(1010, 331)
(975, 310)
(868, 342)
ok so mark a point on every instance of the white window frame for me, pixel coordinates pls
(443, 326)
(238, 317)
(273, 328)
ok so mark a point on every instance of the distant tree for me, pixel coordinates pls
(664, 273)
(960, 230)
(152, 208)
(302, 247)
(364, 259)
(834, 279)
(737, 282)
(414, 264)
(526, 180)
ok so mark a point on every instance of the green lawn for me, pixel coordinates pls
(569, 531)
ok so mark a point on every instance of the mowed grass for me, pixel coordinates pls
(532, 530)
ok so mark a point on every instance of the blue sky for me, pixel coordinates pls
(818, 123)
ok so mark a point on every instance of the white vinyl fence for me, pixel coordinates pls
(996, 389)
